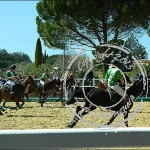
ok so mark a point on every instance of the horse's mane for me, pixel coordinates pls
(136, 88)
(31, 80)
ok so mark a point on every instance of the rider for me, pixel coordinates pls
(113, 75)
(44, 78)
(11, 77)
(55, 74)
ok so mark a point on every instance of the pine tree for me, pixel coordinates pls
(38, 53)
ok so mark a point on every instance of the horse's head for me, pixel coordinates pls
(70, 80)
(137, 88)
(29, 84)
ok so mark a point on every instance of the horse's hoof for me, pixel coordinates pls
(106, 124)
(3, 109)
(2, 113)
(17, 108)
(63, 104)
(69, 126)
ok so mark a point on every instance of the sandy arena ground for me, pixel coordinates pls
(54, 115)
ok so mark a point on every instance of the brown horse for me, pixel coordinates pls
(18, 93)
(49, 87)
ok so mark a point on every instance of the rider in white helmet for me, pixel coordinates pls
(55, 74)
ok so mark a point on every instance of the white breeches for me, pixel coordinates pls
(42, 82)
(10, 82)
(118, 89)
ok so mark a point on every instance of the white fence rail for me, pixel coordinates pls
(74, 138)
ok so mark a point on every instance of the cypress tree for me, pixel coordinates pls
(38, 53)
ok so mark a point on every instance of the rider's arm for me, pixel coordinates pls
(120, 77)
(105, 83)
(105, 80)
(122, 81)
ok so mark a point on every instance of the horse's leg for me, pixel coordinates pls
(42, 101)
(17, 105)
(4, 103)
(40, 98)
(27, 96)
(115, 114)
(126, 113)
(85, 112)
(22, 100)
(75, 119)
(2, 109)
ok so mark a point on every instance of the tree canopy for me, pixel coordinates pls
(90, 22)
(136, 48)
(7, 59)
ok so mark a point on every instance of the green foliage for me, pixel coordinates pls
(20, 57)
(7, 59)
(38, 53)
(147, 68)
(90, 22)
(44, 58)
(31, 69)
(52, 60)
(148, 32)
(137, 49)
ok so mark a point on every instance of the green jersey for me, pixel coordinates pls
(44, 77)
(113, 75)
(10, 74)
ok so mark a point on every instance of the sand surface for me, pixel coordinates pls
(54, 115)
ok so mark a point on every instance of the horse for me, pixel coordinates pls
(49, 87)
(69, 85)
(18, 93)
(78, 91)
(100, 97)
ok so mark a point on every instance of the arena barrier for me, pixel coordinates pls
(43, 139)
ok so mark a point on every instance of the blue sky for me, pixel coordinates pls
(18, 30)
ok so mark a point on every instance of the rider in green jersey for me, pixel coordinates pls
(113, 75)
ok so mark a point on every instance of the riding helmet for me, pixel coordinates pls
(13, 66)
(55, 68)
(114, 62)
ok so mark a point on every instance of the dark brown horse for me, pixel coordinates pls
(18, 92)
(49, 87)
